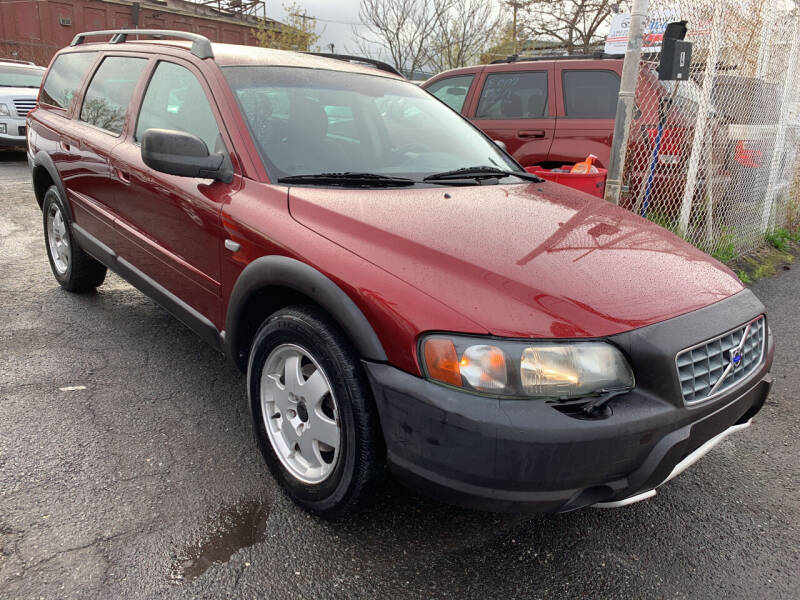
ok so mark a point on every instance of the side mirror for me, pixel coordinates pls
(184, 154)
(501, 144)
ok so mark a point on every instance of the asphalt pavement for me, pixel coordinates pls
(128, 469)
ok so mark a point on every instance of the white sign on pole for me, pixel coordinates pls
(617, 38)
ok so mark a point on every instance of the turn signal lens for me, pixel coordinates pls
(441, 361)
(484, 368)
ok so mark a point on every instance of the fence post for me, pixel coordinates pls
(780, 134)
(762, 63)
(714, 45)
(625, 102)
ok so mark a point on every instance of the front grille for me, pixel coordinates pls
(701, 367)
(24, 106)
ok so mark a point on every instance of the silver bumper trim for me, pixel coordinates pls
(679, 468)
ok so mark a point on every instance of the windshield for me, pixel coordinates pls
(308, 121)
(20, 77)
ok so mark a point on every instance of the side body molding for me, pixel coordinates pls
(300, 277)
(179, 309)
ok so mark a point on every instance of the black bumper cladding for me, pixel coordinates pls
(533, 455)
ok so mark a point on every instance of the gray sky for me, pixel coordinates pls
(336, 17)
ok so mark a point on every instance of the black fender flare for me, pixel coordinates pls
(42, 160)
(287, 272)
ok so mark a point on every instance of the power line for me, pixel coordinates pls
(322, 20)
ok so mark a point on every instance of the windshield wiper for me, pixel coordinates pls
(348, 179)
(481, 173)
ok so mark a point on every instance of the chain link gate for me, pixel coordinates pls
(715, 158)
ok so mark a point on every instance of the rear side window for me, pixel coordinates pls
(452, 90)
(65, 77)
(176, 100)
(591, 94)
(110, 92)
(513, 96)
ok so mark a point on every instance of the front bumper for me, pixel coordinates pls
(14, 137)
(530, 455)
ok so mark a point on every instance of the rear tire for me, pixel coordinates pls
(313, 413)
(74, 270)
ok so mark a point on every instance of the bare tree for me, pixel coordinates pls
(430, 34)
(575, 24)
(403, 27)
(462, 31)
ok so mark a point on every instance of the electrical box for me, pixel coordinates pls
(676, 53)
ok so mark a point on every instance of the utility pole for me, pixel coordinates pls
(309, 32)
(625, 104)
(514, 30)
(304, 16)
(515, 5)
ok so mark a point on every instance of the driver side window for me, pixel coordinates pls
(176, 100)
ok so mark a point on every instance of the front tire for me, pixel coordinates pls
(74, 270)
(313, 413)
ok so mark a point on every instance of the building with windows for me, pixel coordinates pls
(35, 30)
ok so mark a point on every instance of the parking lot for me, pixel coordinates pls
(128, 470)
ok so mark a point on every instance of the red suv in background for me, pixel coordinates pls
(547, 111)
(398, 291)
(552, 111)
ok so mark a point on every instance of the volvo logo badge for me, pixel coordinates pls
(736, 358)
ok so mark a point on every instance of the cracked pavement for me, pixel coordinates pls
(145, 481)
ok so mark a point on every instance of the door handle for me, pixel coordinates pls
(532, 133)
(66, 144)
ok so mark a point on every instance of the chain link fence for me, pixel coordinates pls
(715, 158)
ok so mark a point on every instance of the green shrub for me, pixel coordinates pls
(779, 238)
(744, 277)
(668, 223)
(726, 249)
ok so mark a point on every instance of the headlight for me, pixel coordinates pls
(525, 369)
(4, 110)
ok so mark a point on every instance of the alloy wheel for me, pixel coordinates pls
(58, 239)
(301, 415)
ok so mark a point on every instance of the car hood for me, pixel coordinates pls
(19, 92)
(526, 260)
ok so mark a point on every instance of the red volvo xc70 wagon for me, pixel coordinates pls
(397, 291)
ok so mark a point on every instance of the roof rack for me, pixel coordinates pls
(17, 61)
(514, 58)
(360, 59)
(201, 46)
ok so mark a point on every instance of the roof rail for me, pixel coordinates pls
(17, 61)
(514, 58)
(360, 59)
(201, 46)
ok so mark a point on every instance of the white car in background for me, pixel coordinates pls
(19, 88)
